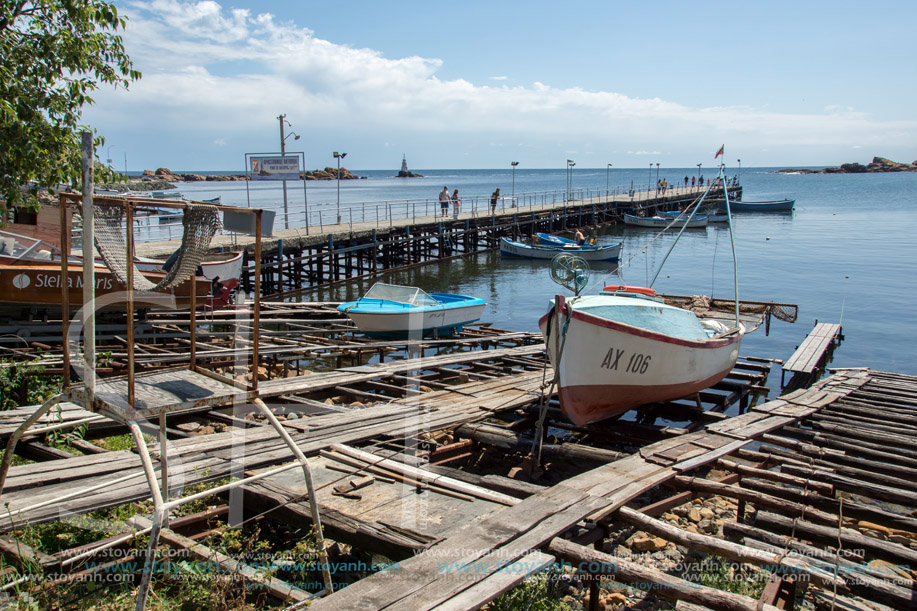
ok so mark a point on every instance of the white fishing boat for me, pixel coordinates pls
(661, 222)
(625, 347)
(393, 311)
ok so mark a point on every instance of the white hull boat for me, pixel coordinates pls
(625, 348)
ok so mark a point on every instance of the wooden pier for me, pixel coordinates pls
(812, 353)
(294, 259)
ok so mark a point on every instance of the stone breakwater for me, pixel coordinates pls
(168, 175)
(879, 164)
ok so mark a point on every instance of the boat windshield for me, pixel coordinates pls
(400, 294)
(22, 247)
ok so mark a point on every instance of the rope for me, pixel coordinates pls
(201, 222)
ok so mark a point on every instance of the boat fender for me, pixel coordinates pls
(641, 290)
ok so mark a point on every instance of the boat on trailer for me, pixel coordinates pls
(395, 311)
(608, 252)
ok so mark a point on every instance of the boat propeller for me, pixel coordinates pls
(570, 271)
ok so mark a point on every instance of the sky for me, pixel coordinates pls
(474, 84)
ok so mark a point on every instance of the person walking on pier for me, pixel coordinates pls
(444, 201)
(493, 201)
(686, 182)
(456, 204)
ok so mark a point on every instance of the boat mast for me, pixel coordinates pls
(732, 238)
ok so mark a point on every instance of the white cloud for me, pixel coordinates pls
(228, 73)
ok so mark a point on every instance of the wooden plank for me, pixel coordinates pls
(806, 358)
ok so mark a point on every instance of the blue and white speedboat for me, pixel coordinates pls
(393, 311)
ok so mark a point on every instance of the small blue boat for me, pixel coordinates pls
(665, 222)
(396, 312)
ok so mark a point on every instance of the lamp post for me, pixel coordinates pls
(649, 182)
(339, 156)
(698, 174)
(109, 155)
(514, 164)
(739, 178)
(570, 164)
(283, 153)
(607, 167)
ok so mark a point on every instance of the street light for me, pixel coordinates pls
(570, 164)
(514, 164)
(109, 154)
(698, 174)
(739, 179)
(283, 152)
(657, 180)
(606, 180)
(339, 156)
(649, 182)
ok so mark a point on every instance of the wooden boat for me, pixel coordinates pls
(711, 218)
(30, 276)
(393, 311)
(609, 252)
(625, 347)
(661, 222)
(783, 205)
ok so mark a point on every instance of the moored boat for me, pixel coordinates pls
(393, 311)
(662, 222)
(30, 276)
(625, 347)
(549, 239)
(783, 205)
(608, 252)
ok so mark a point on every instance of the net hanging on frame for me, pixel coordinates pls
(200, 221)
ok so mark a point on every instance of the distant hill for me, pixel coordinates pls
(879, 164)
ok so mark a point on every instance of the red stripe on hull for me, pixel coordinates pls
(590, 403)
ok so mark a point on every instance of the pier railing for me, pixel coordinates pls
(324, 215)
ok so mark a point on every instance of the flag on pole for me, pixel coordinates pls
(719, 152)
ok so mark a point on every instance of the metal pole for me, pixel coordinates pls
(698, 174)
(740, 172)
(89, 280)
(283, 150)
(607, 168)
(649, 182)
(339, 188)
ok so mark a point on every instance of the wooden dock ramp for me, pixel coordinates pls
(813, 352)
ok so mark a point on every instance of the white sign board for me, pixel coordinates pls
(274, 168)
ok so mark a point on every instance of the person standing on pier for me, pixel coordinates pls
(686, 182)
(444, 201)
(693, 181)
(456, 204)
(493, 201)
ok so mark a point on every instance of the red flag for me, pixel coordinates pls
(719, 152)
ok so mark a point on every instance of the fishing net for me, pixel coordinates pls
(200, 221)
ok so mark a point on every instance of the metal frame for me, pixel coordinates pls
(131, 416)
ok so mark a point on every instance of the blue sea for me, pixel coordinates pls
(847, 254)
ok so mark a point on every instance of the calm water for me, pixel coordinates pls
(847, 254)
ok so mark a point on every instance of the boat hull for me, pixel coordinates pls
(607, 368)
(783, 205)
(388, 319)
(39, 286)
(658, 222)
(590, 253)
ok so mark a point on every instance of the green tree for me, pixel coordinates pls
(53, 55)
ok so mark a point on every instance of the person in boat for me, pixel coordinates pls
(579, 237)
(493, 200)
(444, 201)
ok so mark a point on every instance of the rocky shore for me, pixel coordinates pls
(879, 164)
